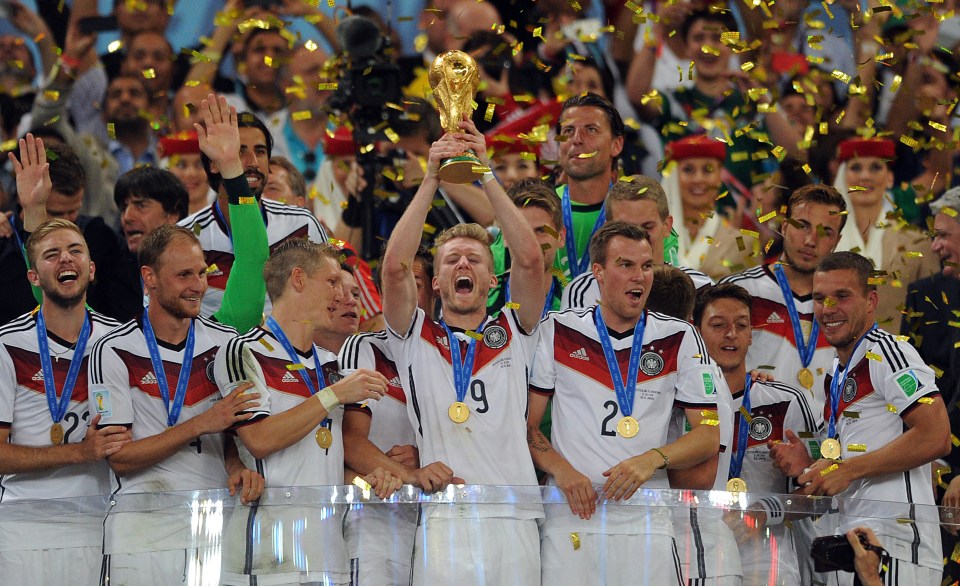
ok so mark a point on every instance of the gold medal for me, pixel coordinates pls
(458, 412)
(830, 449)
(324, 438)
(628, 426)
(736, 485)
(806, 378)
(56, 434)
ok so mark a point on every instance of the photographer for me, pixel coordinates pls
(867, 561)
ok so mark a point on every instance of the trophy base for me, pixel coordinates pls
(460, 169)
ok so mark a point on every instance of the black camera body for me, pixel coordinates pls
(833, 553)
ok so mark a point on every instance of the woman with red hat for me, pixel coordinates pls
(875, 226)
(180, 154)
(692, 182)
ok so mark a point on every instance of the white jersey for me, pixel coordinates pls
(773, 340)
(25, 413)
(260, 358)
(24, 410)
(584, 291)
(283, 223)
(491, 446)
(123, 375)
(894, 375)
(774, 408)
(389, 425)
(675, 371)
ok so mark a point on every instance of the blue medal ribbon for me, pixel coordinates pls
(806, 349)
(59, 408)
(547, 303)
(462, 366)
(577, 265)
(743, 431)
(626, 389)
(836, 387)
(173, 410)
(277, 332)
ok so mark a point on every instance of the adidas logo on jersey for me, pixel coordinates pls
(580, 354)
(395, 382)
(773, 318)
(289, 378)
(148, 379)
(38, 377)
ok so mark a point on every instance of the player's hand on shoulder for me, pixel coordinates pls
(581, 496)
(790, 457)
(406, 455)
(434, 477)
(229, 410)
(360, 386)
(105, 442)
(248, 483)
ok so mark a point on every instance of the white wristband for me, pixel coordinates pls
(328, 399)
(487, 177)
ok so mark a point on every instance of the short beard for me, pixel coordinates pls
(795, 267)
(173, 309)
(62, 301)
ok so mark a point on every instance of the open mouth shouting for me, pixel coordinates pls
(635, 295)
(67, 276)
(463, 284)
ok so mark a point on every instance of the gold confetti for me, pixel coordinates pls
(475, 335)
(829, 469)
(925, 401)
(297, 366)
(955, 440)
(512, 305)
(875, 357)
(111, 131)
(302, 115)
(891, 408)
(587, 155)
(746, 414)
(575, 540)
(429, 229)
(857, 448)
(212, 268)
(479, 169)
(392, 135)
(361, 483)
(149, 73)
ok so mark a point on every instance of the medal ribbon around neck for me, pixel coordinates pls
(625, 389)
(277, 332)
(547, 303)
(173, 411)
(806, 349)
(462, 367)
(736, 463)
(59, 408)
(577, 265)
(836, 386)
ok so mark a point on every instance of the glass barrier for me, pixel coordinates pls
(463, 535)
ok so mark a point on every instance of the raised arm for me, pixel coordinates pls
(525, 255)
(243, 297)
(399, 286)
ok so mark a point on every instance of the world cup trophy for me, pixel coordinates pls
(454, 79)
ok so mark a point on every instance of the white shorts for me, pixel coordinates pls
(285, 545)
(380, 544)
(160, 568)
(474, 551)
(595, 558)
(52, 567)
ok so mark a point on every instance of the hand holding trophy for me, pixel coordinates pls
(454, 78)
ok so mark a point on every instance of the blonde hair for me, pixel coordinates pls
(640, 188)
(294, 253)
(470, 231)
(47, 228)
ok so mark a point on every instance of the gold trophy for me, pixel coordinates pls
(454, 79)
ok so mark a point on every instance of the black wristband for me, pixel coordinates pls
(236, 189)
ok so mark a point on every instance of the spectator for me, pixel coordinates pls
(878, 228)
(132, 141)
(150, 56)
(285, 184)
(304, 129)
(708, 240)
(180, 154)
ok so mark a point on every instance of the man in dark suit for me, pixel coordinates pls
(932, 315)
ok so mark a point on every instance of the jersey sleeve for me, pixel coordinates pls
(356, 353)
(235, 364)
(315, 231)
(242, 304)
(543, 373)
(8, 388)
(905, 377)
(698, 378)
(109, 386)
(401, 341)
